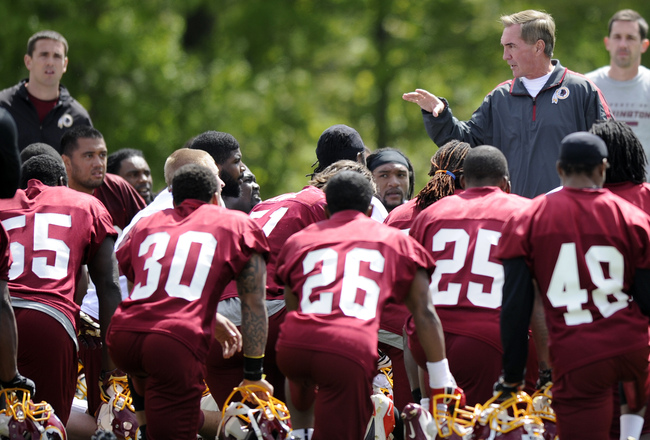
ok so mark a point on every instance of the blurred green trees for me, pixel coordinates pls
(275, 74)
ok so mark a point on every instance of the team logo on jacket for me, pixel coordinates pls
(561, 93)
(65, 121)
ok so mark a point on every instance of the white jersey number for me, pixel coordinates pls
(352, 281)
(564, 289)
(42, 242)
(273, 219)
(173, 287)
(481, 265)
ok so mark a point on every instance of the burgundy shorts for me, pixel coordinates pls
(225, 374)
(47, 355)
(583, 397)
(342, 404)
(476, 365)
(168, 375)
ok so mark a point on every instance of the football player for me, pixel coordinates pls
(340, 142)
(461, 233)
(179, 261)
(449, 161)
(393, 174)
(84, 153)
(589, 252)
(9, 376)
(54, 230)
(625, 177)
(338, 274)
(250, 194)
(279, 217)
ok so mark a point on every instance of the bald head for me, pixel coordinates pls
(185, 156)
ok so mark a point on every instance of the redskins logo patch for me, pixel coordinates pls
(561, 93)
(65, 121)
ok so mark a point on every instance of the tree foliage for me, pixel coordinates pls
(154, 73)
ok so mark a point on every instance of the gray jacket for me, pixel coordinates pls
(527, 130)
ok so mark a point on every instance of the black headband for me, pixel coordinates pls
(383, 157)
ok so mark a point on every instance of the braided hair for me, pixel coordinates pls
(445, 172)
(627, 160)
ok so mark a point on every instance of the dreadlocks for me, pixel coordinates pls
(445, 172)
(320, 179)
(627, 160)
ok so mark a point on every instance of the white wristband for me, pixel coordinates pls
(439, 374)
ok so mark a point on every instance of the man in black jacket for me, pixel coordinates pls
(41, 107)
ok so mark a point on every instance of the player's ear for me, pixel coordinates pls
(361, 158)
(327, 212)
(505, 184)
(369, 211)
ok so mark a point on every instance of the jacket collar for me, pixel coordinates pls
(64, 95)
(557, 76)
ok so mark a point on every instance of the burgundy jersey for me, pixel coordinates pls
(179, 261)
(281, 217)
(462, 233)
(5, 254)
(583, 247)
(343, 270)
(53, 232)
(636, 194)
(394, 315)
(120, 198)
(402, 217)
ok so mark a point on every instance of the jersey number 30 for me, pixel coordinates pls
(173, 286)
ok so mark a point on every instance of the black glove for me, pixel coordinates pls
(505, 391)
(20, 382)
(545, 378)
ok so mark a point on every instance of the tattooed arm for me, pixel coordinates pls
(251, 286)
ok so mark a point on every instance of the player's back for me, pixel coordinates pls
(282, 216)
(583, 246)
(636, 194)
(53, 232)
(462, 232)
(402, 218)
(179, 261)
(343, 270)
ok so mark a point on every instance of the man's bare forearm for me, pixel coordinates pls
(251, 285)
